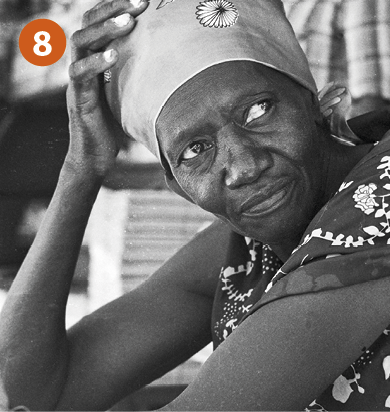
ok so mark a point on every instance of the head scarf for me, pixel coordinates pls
(174, 40)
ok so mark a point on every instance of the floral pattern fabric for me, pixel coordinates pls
(347, 243)
(217, 13)
(251, 267)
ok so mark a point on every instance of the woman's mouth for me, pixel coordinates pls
(262, 204)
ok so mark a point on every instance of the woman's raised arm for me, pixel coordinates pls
(120, 347)
(33, 344)
(130, 341)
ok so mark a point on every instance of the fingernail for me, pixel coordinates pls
(122, 20)
(334, 101)
(109, 55)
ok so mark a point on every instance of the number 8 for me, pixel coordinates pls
(44, 43)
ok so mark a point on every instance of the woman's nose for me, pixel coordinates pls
(245, 162)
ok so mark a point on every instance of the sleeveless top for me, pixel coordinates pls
(347, 243)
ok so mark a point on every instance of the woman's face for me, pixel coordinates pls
(242, 142)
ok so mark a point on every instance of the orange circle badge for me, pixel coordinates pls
(42, 42)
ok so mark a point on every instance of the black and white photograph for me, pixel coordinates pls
(195, 205)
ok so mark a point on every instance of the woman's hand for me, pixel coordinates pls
(95, 136)
(335, 105)
(334, 98)
(33, 328)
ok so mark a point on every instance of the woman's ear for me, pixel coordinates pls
(175, 187)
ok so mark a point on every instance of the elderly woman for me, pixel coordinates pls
(291, 283)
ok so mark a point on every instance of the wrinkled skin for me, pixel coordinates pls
(251, 149)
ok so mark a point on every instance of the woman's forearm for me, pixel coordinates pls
(33, 344)
(34, 350)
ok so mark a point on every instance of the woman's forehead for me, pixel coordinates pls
(220, 87)
(225, 76)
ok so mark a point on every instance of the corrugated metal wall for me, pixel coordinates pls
(158, 224)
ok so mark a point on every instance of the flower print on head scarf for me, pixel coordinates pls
(217, 13)
(174, 40)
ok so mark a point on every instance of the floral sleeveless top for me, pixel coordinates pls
(347, 243)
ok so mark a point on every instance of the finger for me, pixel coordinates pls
(334, 93)
(107, 9)
(84, 70)
(327, 112)
(324, 90)
(331, 102)
(96, 36)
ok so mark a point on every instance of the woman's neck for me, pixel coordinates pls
(340, 162)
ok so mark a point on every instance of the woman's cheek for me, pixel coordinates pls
(204, 191)
(211, 198)
(301, 142)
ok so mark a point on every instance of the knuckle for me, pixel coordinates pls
(87, 17)
(104, 11)
(86, 68)
(75, 38)
(72, 71)
(76, 70)
(112, 5)
(116, 6)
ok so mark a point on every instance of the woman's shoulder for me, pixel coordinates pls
(357, 217)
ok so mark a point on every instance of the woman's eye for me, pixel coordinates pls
(257, 110)
(195, 149)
